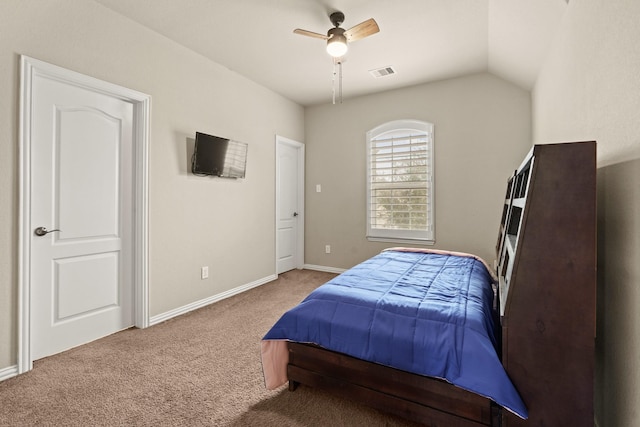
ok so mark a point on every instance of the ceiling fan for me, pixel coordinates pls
(337, 38)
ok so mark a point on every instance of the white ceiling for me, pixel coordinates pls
(423, 40)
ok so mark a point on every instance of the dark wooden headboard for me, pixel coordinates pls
(547, 284)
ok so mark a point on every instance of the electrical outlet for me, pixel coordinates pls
(318, 188)
(327, 249)
(204, 273)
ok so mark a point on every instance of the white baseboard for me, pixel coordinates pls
(210, 300)
(323, 268)
(8, 372)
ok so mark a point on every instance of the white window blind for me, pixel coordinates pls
(400, 181)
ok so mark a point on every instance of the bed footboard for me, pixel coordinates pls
(426, 400)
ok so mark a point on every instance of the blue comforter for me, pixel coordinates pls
(425, 313)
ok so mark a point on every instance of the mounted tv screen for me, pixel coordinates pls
(217, 156)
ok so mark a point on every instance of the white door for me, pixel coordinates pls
(82, 185)
(289, 204)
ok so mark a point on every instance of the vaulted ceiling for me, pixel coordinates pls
(422, 40)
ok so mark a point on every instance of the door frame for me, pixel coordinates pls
(299, 250)
(29, 68)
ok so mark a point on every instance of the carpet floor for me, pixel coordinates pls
(199, 369)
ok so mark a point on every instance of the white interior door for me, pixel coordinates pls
(289, 204)
(82, 185)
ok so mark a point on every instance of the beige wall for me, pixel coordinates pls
(193, 221)
(589, 89)
(482, 132)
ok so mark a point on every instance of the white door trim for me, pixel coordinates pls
(31, 67)
(299, 252)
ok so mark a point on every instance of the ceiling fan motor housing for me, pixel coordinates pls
(336, 33)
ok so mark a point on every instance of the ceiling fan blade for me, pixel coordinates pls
(362, 30)
(310, 34)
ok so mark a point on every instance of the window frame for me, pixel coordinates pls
(424, 237)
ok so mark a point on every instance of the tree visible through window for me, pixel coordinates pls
(400, 181)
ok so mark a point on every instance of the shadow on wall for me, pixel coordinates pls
(185, 147)
(618, 293)
(184, 152)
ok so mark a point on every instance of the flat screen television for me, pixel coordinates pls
(217, 156)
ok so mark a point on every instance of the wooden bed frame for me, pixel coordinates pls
(547, 287)
(411, 396)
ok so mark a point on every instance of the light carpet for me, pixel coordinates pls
(199, 369)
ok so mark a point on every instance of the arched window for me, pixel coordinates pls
(400, 182)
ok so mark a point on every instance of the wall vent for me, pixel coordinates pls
(382, 72)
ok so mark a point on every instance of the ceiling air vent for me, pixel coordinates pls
(382, 72)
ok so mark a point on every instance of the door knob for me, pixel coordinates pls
(295, 214)
(42, 231)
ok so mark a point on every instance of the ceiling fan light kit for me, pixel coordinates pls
(337, 43)
(337, 40)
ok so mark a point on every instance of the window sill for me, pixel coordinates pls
(427, 242)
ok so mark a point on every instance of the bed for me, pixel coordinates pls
(544, 315)
(409, 331)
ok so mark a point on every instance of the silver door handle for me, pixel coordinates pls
(42, 231)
